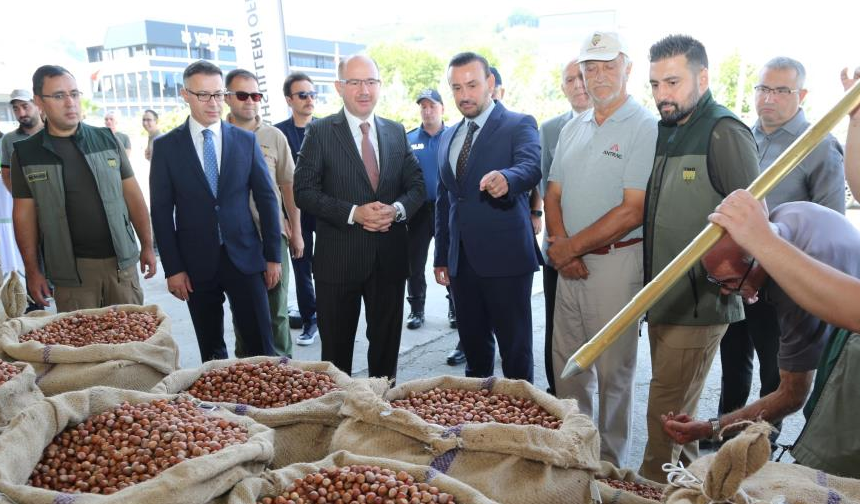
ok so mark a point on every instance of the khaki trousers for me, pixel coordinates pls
(681, 357)
(582, 308)
(103, 284)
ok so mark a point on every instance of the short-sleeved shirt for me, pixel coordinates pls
(279, 160)
(595, 163)
(88, 224)
(123, 140)
(6, 146)
(830, 238)
(426, 148)
(819, 178)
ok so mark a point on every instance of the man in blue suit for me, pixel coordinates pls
(202, 176)
(485, 246)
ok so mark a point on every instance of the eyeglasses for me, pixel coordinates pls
(356, 83)
(722, 283)
(304, 95)
(243, 96)
(780, 91)
(61, 97)
(205, 96)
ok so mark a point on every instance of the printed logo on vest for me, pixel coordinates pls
(689, 174)
(614, 152)
(38, 176)
(112, 162)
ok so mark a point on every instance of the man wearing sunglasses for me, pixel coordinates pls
(820, 233)
(819, 178)
(243, 98)
(202, 177)
(301, 97)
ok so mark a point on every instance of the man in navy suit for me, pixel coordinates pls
(485, 245)
(204, 173)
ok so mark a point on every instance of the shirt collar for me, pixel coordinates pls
(484, 115)
(196, 128)
(354, 122)
(794, 126)
(424, 132)
(258, 121)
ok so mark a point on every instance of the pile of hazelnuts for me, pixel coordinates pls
(267, 384)
(640, 489)
(131, 444)
(359, 484)
(111, 328)
(457, 406)
(7, 372)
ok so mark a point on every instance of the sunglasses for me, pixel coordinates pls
(304, 95)
(243, 96)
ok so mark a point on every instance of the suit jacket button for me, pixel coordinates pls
(461, 199)
(217, 208)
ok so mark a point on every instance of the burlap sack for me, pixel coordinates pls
(13, 296)
(60, 368)
(197, 480)
(303, 430)
(741, 472)
(18, 393)
(612, 495)
(275, 482)
(507, 463)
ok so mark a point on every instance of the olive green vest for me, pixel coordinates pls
(43, 170)
(679, 198)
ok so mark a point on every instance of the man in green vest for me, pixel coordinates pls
(76, 200)
(703, 153)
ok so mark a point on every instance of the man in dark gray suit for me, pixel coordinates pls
(573, 87)
(356, 173)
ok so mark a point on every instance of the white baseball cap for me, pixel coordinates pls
(602, 46)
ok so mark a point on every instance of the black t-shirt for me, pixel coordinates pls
(88, 224)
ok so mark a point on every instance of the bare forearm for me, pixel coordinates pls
(535, 201)
(793, 389)
(137, 211)
(293, 212)
(26, 233)
(606, 230)
(7, 178)
(818, 288)
(552, 212)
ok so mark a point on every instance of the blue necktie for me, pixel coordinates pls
(210, 161)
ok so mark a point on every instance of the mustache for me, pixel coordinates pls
(466, 102)
(663, 103)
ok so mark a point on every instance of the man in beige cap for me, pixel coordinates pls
(595, 198)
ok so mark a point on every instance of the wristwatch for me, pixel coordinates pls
(537, 213)
(715, 428)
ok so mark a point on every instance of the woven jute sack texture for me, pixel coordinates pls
(18, 393)
(275, 482)
(303, 430)
(507, 463)
(611, 495)
(138, 365)
(196, 480)
(741, 472)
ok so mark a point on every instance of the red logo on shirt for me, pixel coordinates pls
(613, 151)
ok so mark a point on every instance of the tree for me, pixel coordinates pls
(415, 68)
(731, 81)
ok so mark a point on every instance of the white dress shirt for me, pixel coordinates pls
(196, 130)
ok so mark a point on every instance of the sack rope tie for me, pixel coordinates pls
(678, 476)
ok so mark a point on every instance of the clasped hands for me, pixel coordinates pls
(564, 260)
(375, 216)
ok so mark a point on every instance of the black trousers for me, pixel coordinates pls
(248, 302)
(550, 281)
(420, 228)
(338, 309)
(758, 333)
(303, 269)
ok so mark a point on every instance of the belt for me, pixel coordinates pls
(607, 248)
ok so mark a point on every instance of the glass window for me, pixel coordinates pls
(156, 85)
(170, 84)
(119, 81)
(227, 54)
(143, 81)
(132, 86)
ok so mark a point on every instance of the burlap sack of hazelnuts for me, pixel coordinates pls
(17, 393)
(273, 483)
(195, 480)
(303, 430)
(519, 464)
(741, 472)
(137, 365)
(613, 495)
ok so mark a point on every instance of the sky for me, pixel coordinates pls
(821, 34)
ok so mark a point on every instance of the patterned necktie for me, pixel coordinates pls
(463, 158)
(369, 156)
(210, 161)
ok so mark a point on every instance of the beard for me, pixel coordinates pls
(26, 122)
(679, 111)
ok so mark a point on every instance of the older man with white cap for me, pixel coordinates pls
(595, 200)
